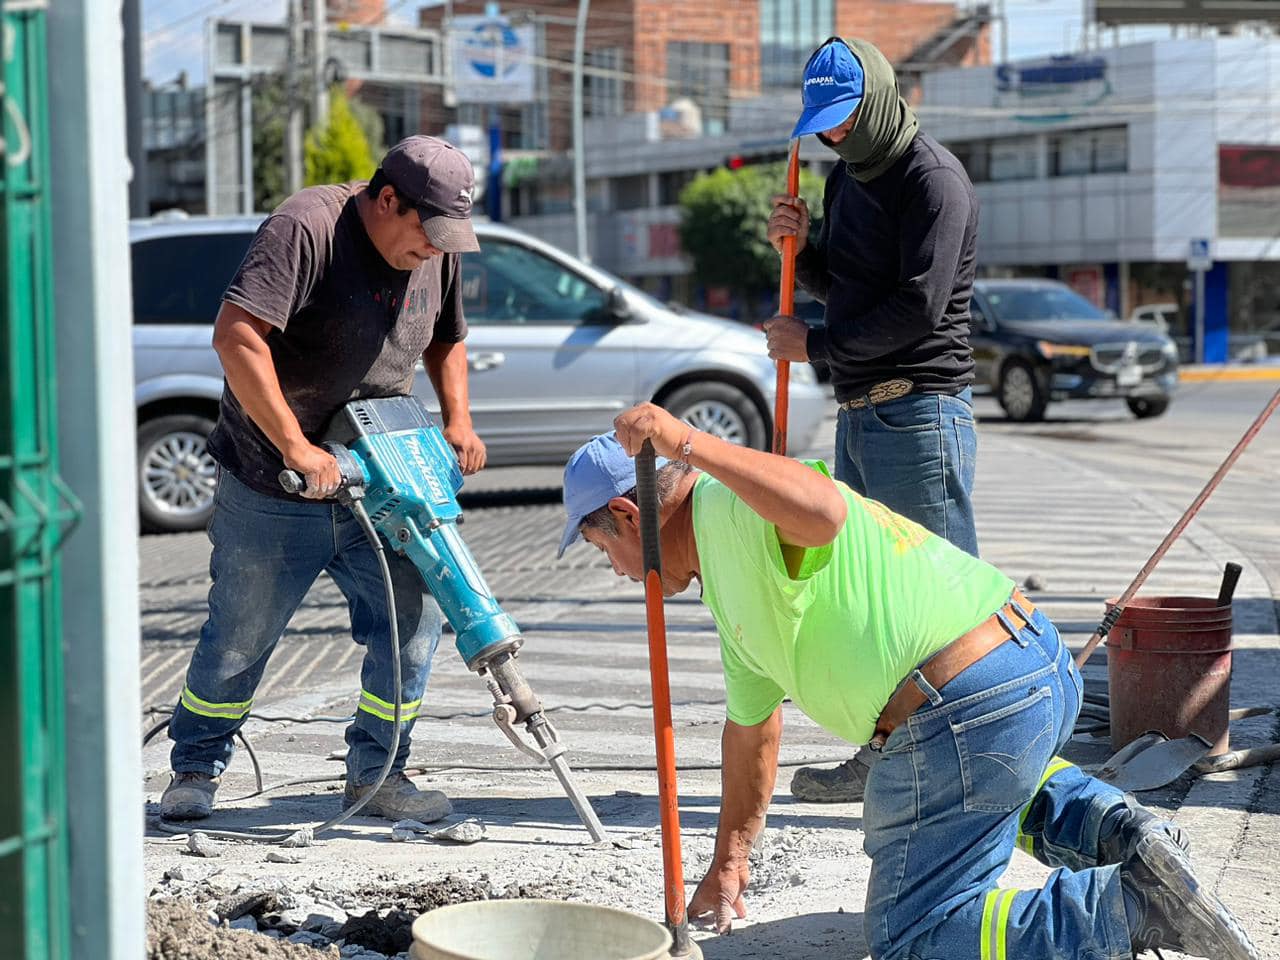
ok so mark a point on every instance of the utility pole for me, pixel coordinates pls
(139, 202)
(319, 59)
(579, 148)
(293, 108)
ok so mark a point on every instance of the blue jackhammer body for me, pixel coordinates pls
(397, 467)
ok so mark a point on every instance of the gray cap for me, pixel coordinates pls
(436, 177)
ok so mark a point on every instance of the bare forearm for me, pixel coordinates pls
(804, 505)
(251, 375)
(446, 365)
(750, 767)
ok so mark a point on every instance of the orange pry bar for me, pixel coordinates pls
(664, 740)
(786, 306)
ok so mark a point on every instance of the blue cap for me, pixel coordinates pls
(833, 83)
(597, 472)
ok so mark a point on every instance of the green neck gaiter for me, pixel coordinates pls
(885, 126)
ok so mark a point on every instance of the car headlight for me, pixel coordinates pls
(1050, 350)
(803, 373)
(1170, 350)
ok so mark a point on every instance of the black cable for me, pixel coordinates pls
(305, 836)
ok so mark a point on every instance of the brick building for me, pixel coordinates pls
(673, 89)
(651, 53)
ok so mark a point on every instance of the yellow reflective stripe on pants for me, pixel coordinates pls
(387, 711)
(219, 711)
(995, 922)
(1056, 765)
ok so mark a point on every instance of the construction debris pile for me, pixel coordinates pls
(197, 916)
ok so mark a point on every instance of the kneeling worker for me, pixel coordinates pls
(884, 633)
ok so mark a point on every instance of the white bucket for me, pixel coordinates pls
(536, 930)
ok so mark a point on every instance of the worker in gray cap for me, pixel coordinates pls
(343, 290)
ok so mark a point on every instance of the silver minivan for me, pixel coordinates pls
(556, 349)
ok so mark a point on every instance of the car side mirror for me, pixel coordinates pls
(617, 307)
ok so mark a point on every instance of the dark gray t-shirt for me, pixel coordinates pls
(348, 326)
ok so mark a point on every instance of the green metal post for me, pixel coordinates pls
(34, 511)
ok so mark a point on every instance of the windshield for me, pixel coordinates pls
(1019, 303)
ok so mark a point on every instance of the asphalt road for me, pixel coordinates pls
(1077, 503)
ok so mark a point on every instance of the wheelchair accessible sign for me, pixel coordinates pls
(492, 60)
(1199, 255)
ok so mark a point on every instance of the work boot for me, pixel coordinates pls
(399, 799)
(189, 796)
(1167, 906)
(1123, 827)
(846, 783)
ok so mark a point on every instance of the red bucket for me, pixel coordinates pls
(1169, 669)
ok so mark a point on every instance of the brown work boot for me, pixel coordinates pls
(399, 799)
(189, 796)
(846, 783)
(1167, 906)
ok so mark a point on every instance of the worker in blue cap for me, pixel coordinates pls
(894, 265)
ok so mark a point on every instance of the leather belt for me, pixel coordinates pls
(881, 392)
(948, 662)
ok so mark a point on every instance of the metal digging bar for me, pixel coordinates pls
(664, 737)
(1115, 612)
(786, 307)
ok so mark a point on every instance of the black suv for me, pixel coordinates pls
(1038, 340)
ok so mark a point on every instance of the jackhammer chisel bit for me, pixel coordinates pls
(396, 461)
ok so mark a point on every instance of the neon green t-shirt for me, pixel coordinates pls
(859, 616)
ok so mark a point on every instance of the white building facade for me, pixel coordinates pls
(1101, 168)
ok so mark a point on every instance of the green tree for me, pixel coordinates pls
(339, 150)
(270, 110)
(723, 226)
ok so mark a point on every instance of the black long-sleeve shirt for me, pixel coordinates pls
(894, 264)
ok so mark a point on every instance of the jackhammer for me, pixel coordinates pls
(400, 478)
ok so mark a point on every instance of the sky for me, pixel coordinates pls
(175, 29)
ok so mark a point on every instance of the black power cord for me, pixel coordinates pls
(305, 836)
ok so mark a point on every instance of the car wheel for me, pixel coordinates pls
(721, 410)
(1144, 407)
(1020, 395)
(176, 473)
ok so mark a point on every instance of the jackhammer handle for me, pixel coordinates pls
(292, 481)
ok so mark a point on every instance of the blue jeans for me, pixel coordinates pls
(266, 555)
(915, 455)
(968, 776)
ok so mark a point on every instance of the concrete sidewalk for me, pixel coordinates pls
(1081, 531)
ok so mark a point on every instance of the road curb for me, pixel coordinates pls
(1202, 374)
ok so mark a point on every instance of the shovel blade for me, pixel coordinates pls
(1158, 764)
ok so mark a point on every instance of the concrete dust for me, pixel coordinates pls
(179, 931)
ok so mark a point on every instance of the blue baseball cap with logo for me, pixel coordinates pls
(597, 472)
(833, 84)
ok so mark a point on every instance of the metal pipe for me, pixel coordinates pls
(786, 307)
(579, 148)
(1114, 613)
(659, 678)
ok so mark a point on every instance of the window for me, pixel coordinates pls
(790, 30)
(182, 279)
(670, 185)
(602, 95)
(1082, 152)
(700, 71)
(510, 284)
(1048, 302)
(631, 193)
(1013, 158)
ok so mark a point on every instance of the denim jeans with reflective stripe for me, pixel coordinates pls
(946, 798)
(266, 555)
(916, 455)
